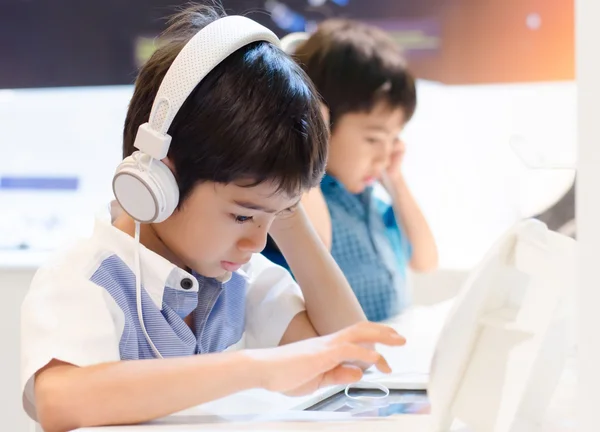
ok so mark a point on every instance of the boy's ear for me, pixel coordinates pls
(169, 164)
(325, 112)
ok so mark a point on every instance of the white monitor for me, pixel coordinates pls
(502, 349)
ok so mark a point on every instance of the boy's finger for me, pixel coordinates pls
(383, 366)
(368, 332)
(348, 352)
(342, 374)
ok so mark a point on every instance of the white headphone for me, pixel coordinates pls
(291, 41)
(143, 185)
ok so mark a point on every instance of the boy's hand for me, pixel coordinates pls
(396, 158)
(303, 367)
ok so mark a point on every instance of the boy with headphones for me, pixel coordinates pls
(149, 315)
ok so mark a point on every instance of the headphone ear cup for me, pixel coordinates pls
(148, 193)
(167, 184)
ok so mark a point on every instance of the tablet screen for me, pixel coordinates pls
(372, 405)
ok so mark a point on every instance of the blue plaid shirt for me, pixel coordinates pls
(369, 246)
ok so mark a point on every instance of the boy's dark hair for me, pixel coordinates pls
(355, 66)
(255, 117)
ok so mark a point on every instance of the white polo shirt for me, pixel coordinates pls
(81, 307)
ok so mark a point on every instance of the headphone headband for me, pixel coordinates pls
(209, 47)
(291, 41)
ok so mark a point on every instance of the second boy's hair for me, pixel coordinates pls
(254, 118)
(355, 66)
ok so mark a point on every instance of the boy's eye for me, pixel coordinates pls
(242, 219)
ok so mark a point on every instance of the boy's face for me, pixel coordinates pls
(361, 145)
(219, 227)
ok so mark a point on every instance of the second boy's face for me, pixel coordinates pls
(220, 226)
(361, 145)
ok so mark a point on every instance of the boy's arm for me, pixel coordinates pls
(330, 302)
(317, 211)
(126, 392)
(424, 250)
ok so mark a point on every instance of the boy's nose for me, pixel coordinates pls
(255, 242)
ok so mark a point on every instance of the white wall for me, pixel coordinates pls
(463, 171)
(74, 132)
(588, 212)
(13, 284)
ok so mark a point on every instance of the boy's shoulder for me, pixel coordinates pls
(71, 264)
(81, 258)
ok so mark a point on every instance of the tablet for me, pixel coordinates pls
(365, 402)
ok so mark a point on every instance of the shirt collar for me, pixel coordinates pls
(157, 272)
(330, 183)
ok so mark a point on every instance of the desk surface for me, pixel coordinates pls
(259, 410)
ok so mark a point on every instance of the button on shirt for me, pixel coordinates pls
(81, 307)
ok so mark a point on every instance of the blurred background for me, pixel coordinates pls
(496, 104)
(75, 43)
(493, 139)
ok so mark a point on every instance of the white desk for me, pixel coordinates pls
(259, 410)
